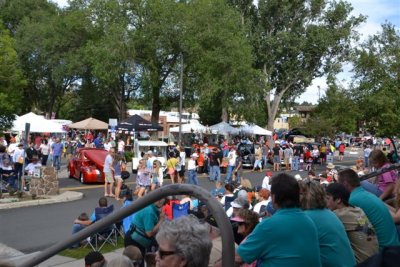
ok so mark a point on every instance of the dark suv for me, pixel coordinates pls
(246, 151)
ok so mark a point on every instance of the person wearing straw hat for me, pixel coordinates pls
(332, 173)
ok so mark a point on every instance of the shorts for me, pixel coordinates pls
(108, 177)
(277, 159)
(182, 171)
(287, 160)
(118, 178)
(171, 171)
(341, 153)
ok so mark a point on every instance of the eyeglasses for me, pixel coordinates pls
(164, 253)
(136, 262)
(241, 223)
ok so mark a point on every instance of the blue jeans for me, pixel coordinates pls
(265, 160)
(56, 162)
(366, 162)
(370, 187)
(192, 175)
(215, 173)
(295, 163)
(229, 171)
(76, 228)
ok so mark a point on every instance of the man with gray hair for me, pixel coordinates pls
(183, 242)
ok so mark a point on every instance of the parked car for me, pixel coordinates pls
(246, 151)
(141, 147)
(86, 165)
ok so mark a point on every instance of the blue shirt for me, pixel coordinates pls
(334, 244)
(289, 238)
(378, 214)
(126, 222)
(57, 149)
(145, 220)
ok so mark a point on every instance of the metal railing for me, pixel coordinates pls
(379, 172)
(228, 250)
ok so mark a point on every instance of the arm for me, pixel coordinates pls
(388, 191)
(86, 223)
(154, 231)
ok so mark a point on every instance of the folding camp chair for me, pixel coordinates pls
(108, 235)
(179, 210)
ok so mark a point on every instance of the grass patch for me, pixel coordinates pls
(81, 252)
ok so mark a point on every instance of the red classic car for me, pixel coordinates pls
(87, 165)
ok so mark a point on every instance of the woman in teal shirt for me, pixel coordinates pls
(334, 244)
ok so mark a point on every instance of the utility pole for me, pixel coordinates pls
(180, 103)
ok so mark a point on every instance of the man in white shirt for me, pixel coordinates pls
(30, 168)
(108, 173)
(121, 146)
(231, 165)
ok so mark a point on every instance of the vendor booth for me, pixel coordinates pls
(38, 124)
(89, 124)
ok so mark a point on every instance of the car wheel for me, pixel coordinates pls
(81, 179)
(69, 173)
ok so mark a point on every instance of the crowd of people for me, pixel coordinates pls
(333, 219)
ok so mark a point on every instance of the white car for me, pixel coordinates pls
(141, 147)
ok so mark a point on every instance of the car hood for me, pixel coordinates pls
(97, 156)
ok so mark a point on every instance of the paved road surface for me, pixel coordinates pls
(35, 228)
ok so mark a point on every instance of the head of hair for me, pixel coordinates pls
(250, 218)
(133, 253)
(171, 154)
(186, 235)
(349, 176)
(338, 191)
(103, 202)
(378, 158)
(121, 261)
(312, 173)
(2, 149)
(312, 195)
(229, 187)
(246, 183)
(286, 191)
(94, 257)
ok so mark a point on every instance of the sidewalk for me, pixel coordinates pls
(63, 197)
(17, 258)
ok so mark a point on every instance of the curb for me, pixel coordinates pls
(63, 197)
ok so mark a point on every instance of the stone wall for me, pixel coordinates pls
(47, 184)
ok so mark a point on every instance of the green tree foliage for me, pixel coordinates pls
(11, 80)
(296, 41)
(376, 84)
(49, 47)
(220, 70)
(338, 111)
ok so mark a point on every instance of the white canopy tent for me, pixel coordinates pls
(38, 124)
(254, 129)
(194, 125)
(224, 128)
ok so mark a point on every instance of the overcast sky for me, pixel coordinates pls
(377, 12)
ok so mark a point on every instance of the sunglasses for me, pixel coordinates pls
(164, 253)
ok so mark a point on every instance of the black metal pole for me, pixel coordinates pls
(228, 250)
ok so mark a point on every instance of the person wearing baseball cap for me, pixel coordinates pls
(192, 169)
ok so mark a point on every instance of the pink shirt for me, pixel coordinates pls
(386, 178)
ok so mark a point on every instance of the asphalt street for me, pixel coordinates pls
(35, 228)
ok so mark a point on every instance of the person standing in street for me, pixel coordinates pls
(192, 172)
(367, 151)
(57, 149)
(277, 152)
(108, 170)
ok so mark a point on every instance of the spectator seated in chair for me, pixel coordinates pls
(83, 220)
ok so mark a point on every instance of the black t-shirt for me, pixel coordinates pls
(276, 150)
(298, 150)
(214, 158)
